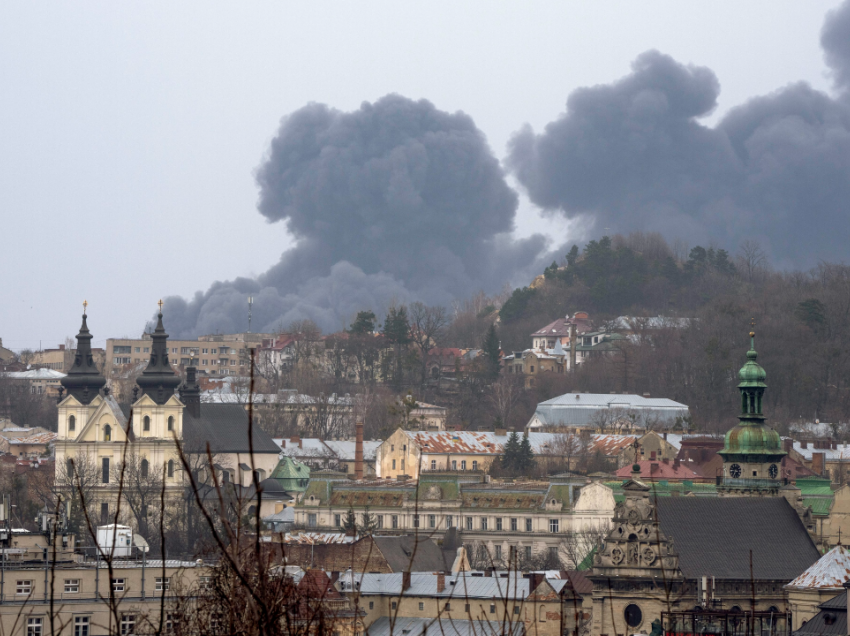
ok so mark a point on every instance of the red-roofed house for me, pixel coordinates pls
(663, 470)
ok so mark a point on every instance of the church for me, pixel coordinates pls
(104, 447)
(732, 553)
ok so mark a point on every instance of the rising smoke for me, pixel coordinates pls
(399, 201)
(394, 201)
(633, 155)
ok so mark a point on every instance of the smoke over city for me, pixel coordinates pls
(633, 155)
(400, 201)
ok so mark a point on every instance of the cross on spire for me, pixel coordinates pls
(85, 305)
(160, 303)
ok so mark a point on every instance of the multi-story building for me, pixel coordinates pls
(37, 381)
(155, 432)
(533, 518)
(6, 355)
(215, 355)
(61, 358)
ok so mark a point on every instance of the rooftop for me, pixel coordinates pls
(832, 570)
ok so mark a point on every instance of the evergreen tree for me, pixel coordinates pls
(512, 449)
(364, 323)
(525, 458)
(350, 523)
(370, 523)
(397, 332)
(492, 352)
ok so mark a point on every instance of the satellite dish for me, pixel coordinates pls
(141, 543)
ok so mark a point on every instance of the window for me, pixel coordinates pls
(72, 586)
(171, 468)
(449, 521)
(213, 350)
(499, 552)
(204, 583)
(421, 606)
(170, 623)
(483, 523)
(137, 350)
(104, 513)
(469, 523)
(107, 434)
(170, 423)
(433, 464)
(204, 362)
(23, 588)
(395, 522)
(528, 525)
(466, 607)
(144, 468)
(371, 605)
(118, 585)
(492, 608)
(393, 464)
(532, 368)
(163, 584)
(392, 448)
(120, 349)
(204, 351)
(394, 605)
(81, 626)
(448, 607)
(474, 464)
(146, 423)
(516, 609)
(513, 524)
(404, 447)
(311, 520)
(337, 521)
(463, 464)
(233, 363)
(415, 521)
(34, 627)
(402, 464)
(553, 525)
(104, 470)
(498, 523)
(72, 423)
(380, 522)
(146, 350)
(128, 624)
(528, 552)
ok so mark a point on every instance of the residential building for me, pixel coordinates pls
(95, 433)
(61, 358)
(823, 581)
(534, 517)
(609, 412)
(559, 331)
(37, 381)
(6, 355)
(331, 454)
(35, 445)
(824, 457)
(216, 355)
(319, 597)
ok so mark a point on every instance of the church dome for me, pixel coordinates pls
(752, 373)
(752, 440)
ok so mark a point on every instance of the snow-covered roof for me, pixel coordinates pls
(304, 447)
(36, 374)
(840, 452)
(344, 449)
(830, 571)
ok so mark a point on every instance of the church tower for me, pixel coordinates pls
(752, 453)
(158, 380)
(83, 380)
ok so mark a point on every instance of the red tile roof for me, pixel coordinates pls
(660, 470)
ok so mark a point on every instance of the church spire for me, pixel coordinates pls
(83, 380)
(158, 380)
(752, 385)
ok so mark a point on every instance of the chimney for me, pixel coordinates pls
(804, 444)
(441, 582)
(61, 347)
(278, 507)
(646, 395)
(572, 346)
(501, 432)
(283, 443)
(665, 436)
(534, 580)
(405, 580)
(788, 444)
(817, 463)
(296, 440)
(653, 468)
(358, 451)
(676, 463)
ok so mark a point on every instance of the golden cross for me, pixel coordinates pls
(85, 304)
(160, 305)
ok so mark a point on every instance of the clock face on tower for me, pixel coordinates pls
(773, 471)
(735, 470)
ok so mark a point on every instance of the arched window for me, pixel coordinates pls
(171, 468)
(542, 613)
(69, 468)
(107, 433)
(144, 468)
(72, 423)
(146, 423)
(170, 422)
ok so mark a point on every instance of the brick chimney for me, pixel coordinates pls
(296, 440)
(788, 445)
(358, 451)
(804, 444)
(817, 463)
(534, 580)
(405, 580)
(441, 582)
(283, 443)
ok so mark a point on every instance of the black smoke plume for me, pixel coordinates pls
(394, 201)
(633, 155)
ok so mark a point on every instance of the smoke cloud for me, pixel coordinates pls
(394, 201)
(633, 155)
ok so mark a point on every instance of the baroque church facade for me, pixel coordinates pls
(153, 436)
(735, 552)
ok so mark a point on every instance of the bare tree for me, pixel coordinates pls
(427, 326)
(142, 486)
(504, 394)
(752, 259)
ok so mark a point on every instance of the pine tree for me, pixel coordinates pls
(397, 332)
(492, 352)
(370, 523)
(350, 523)
(525, 460)
(364, 323)
(512, 449)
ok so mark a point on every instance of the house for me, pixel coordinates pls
(6, 355)
(37, 381)
(61, 358)
(821, 582)
(824, 457)
(559, 331)
(37, 445)
(609, 412)
(830, 619)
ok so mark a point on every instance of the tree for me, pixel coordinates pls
(512, 451)
(397, 333)
(525, 461)
(370, 523)
(364, 323)
(752, 259)
(427, 326)
(349, 524)
(504, 395)
(492, 351)
(141, 490)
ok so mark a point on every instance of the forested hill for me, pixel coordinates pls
(802, 324)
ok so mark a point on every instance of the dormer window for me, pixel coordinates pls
(107, 433)
(72, 423)
(146, 423)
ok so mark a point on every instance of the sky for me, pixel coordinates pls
(132, 133)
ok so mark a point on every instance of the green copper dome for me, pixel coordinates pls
(752, 440)
(752, 373)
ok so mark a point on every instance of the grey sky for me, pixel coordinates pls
(131, 131)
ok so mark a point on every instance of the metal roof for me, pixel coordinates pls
(580, 409)
(344, 450)
(442, 626)
(841, 452)
(304, 447)
(479, 443)
(831, 571)
(456, 585)
(36, 374)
